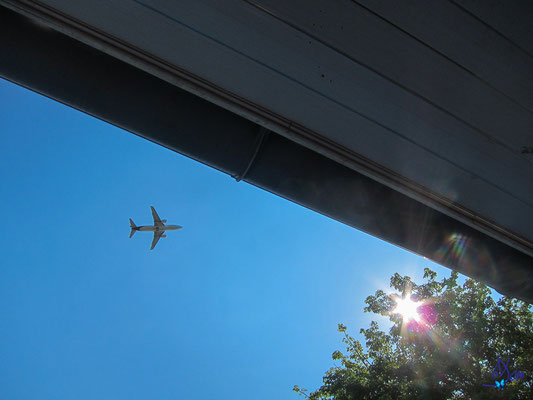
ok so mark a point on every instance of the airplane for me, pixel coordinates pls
(158, 228)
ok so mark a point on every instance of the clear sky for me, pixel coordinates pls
(243, 303)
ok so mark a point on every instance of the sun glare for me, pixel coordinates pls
(407, 308)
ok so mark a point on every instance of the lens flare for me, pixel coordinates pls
(408, 309)
(471, 255)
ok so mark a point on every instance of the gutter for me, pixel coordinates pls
(87, 78)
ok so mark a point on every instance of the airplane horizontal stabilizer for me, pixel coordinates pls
(133, 226)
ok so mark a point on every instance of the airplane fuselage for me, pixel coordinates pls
(152, 228)
(159, 228)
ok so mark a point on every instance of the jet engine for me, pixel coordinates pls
(163, 235)
(163, 220)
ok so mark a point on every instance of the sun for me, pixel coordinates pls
(407, 308)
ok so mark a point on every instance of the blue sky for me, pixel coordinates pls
(243, 303)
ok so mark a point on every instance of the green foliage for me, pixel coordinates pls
(449, 355)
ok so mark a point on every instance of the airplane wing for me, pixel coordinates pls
(157, 236)
(157, 220)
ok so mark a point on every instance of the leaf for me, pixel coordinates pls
(451, 358)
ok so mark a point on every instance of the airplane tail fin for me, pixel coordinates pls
(133, 226)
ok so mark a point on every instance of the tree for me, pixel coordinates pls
(448, 349)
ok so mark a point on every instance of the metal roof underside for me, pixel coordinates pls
(432, 99)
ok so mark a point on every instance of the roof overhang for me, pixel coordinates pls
(418, 133)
